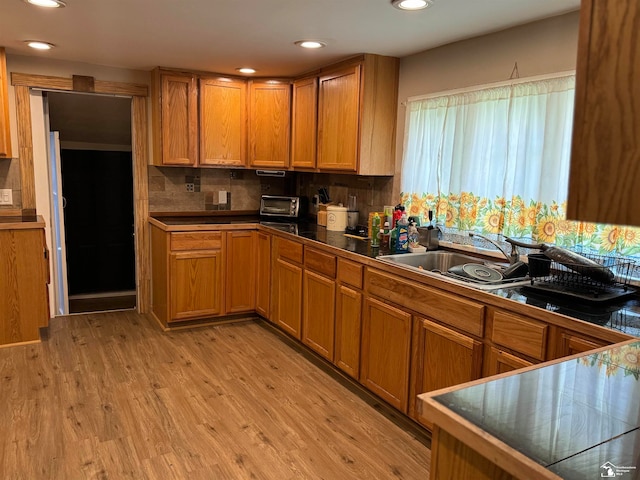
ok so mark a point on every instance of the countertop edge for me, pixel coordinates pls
(19, 224)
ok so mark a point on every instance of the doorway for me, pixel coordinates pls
(95, 189)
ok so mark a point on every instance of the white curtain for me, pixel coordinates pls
(503, 141)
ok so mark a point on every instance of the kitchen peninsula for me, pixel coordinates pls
(574, 419)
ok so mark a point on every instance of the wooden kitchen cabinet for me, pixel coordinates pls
(570, 343)
(286, 293)
(304, 123)
(441, 358)
(348, 317)
(5, 127)
(319, 302)
(263, 274)
(269, 123)
(497, 361)
(24, 267)
(174, 118)
(187, 271)
(223, 122)
(385, 350)
(518, 333)
(348, 330)
(318, 319)
(240, 271)
(357, 109)
(196, 284)
(604, 176)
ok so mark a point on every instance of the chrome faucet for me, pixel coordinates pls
(513, 257)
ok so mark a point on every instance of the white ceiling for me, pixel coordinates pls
(219, 36)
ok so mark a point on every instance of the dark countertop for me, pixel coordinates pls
(570, 417)
(622, 316)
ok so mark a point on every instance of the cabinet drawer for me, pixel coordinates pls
(196, 241)
(350, 273)
(320, 262)
(290, 250)
(524, 335)
(458, 312)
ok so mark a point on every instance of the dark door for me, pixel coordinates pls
(98, 189)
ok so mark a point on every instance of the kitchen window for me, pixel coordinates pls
(495, 159)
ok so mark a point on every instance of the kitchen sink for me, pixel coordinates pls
(438, 262)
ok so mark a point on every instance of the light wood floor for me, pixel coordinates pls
(111, 396)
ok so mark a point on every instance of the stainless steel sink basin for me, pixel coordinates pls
(438, 262)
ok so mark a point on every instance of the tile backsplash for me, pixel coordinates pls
(372, 193)
(181, 189)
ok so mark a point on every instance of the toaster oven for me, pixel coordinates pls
(282, 206)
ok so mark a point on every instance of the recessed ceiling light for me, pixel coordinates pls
(246, 70)
(47, 3)
(39, 45)
(310, 44)
(411, 4)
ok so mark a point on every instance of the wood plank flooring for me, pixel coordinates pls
(110, 396)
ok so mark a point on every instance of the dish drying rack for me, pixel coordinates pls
(582, 282)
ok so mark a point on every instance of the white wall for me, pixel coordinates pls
(541, 47)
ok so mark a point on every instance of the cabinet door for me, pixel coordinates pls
(304, 123)
(263, 274)
(442, 358)
(338, 120)
(23, 283)
(223, 122)
(604, 177)
(240, 272)
(348, 330)
(196, 284)
(498, 361)
(571, 343)
(179, 119)
(386, 343)
(269, 124)
(5, 130)
(318, 319)
(289, 292)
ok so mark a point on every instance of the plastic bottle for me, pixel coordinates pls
(384, 238)
(402, 240)
(375, 230)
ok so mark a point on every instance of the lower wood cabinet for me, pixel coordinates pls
(318, 319)
(348, 330)
(240, 271)
(441, 358)
(196, 284)
(497, 361)
(385, 352)
(288, 296)
(263, 274)
(24, 299)
(570, 343)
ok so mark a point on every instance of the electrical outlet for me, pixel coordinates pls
(190, 187)
(6, 196)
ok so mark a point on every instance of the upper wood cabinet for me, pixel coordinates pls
(605, 158)
(304, 123)
(175, 118)
(223, 122)
(5, 128)
(269, 123)
(357, 109)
